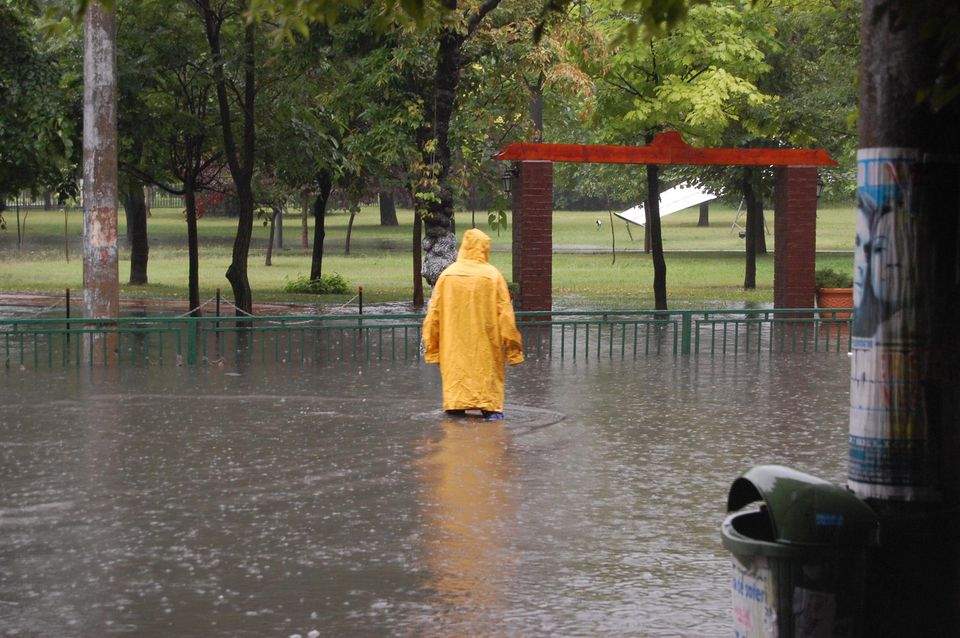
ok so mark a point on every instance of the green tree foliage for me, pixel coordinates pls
(812, 74)
(355, 97)
(697, 78)
(166, 116)
(37, 127)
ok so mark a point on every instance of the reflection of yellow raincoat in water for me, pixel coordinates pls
(469, 510)
(470, 329)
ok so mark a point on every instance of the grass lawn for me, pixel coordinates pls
(381, 263)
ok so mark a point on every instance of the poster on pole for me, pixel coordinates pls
(890, 456)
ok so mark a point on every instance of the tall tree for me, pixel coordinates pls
(812, 74)
(101, 285)
(134, 200)
(167, 115)
(354, 114)
(388, 208)
(135, 124)
(704, 219)
(904, 391)
(692, 79)
(226, 31)
(38, 137)
(439, 101)
(303, 124)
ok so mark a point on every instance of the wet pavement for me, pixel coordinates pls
(282, 500)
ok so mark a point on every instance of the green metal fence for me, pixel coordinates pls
(564, 335)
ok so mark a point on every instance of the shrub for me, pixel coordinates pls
(830, 278)
(327, 285)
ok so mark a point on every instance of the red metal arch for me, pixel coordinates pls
(666, 148)
(795, 204)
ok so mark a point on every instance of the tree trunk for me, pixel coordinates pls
(353, 215)
(128, 201)
(388, 210)
(750, 235)
(905, 393)
(704, 220)
(439, 215)
(47, 200)
(656, 238)
(273, 225)
(324, 184)
(646, 228)
(101, 277)
(417, 259)
(135, 209)
(536, 106)
(278, 221)
(237, 270)
(193, 250)
(304, 225)
(440, 244)
(760, 228)
(240, 161)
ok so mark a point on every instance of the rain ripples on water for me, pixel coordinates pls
(281, 500)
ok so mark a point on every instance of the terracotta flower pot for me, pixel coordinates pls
(835, 298)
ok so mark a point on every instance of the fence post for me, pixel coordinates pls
(686, 324)
(67, 324)
(192, 327)
(360, 314)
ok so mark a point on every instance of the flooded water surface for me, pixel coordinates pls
(282, 500)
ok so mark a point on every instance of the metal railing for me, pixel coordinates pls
(567, 335)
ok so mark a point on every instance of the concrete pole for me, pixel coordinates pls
(905, 392)
(101, 281)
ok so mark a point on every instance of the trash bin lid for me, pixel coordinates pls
(804, 509)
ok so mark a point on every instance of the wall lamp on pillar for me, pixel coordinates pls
(820, 186)
(509, 173)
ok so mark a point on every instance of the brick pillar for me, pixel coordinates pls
(795, 237)
(533, 234)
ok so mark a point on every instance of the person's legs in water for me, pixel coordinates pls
(492, 416)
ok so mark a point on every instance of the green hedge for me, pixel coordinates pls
(830, 278)
(327, 285)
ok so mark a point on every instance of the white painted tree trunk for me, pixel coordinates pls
(101, 280)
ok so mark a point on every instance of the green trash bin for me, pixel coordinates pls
(799, 556)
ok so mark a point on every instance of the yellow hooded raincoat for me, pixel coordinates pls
(470, 329)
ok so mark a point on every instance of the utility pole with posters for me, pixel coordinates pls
(904, 444)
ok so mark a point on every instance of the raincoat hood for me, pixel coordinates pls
(475, 246)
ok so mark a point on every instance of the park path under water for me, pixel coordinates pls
(277, 500)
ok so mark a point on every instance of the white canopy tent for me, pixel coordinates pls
(673, 200)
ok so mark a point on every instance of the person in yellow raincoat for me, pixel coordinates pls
(470, 330)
